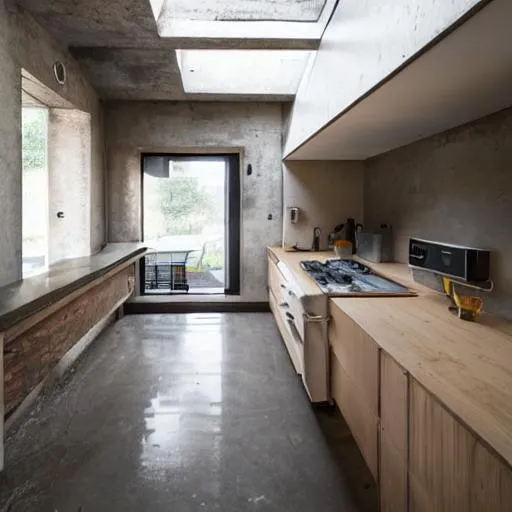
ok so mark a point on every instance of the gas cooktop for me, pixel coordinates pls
(340, 277)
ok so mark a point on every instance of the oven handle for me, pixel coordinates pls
(318, 319)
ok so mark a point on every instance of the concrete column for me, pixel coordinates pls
(69, 176)
(10, 158)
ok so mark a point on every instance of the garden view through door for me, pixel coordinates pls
(184, 223)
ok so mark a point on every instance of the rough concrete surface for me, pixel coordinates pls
(453, 188)
(254, 129)
(25, 45)
(96, 22)
(327, 193)
(364, 43)
(69, 177)
(182, 413)
(132, 73)
(118, 45)
(10, 157)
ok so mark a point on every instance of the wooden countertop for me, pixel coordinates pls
(466, 365)
(22, 299)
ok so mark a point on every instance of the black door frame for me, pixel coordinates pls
(233, 212)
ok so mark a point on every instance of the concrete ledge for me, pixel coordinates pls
(23, 299)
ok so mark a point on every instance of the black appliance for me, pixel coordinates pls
(465, 263)
(350, 232)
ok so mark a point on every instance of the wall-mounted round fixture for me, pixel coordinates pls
(59, 70)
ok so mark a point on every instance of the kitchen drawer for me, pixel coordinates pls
(358, 354)
(362, 422)
(276, 281)
(292, 342)
(295, 309)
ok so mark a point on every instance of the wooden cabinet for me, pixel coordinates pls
(355, 383)
(359, 356)
(449, 469)
(393, 435)
(362, 422)
(393, 484)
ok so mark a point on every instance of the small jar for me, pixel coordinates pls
(343, 248)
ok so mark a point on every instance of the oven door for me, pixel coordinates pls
(297, 343)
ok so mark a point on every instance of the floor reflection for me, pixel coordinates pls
(183, 421)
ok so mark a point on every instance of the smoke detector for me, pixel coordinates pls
(59, 71)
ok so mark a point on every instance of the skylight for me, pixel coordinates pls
(289, 21)
(243, 10)
(242, 72)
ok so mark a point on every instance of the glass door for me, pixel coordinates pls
(186, 223)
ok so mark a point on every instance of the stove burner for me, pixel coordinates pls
(343, 277)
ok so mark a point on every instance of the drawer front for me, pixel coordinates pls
(362, 422)
(276, 281)
(290, 337)
(358, 354)
(295, 310)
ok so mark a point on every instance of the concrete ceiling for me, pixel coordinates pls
(464, 77)
(128, 55)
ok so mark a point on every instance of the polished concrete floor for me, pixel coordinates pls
(181, 413)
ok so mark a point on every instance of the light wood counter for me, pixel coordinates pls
(292, 261)
(467, 366)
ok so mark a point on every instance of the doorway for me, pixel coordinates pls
(191, 224)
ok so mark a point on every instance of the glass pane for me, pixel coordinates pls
(184, 219)
(35, 190)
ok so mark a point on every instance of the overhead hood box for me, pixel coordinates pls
(464, 263)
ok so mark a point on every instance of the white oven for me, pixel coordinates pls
(306, 319)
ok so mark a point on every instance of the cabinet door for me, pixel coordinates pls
(449, 468)
(393, 477)
(359, 356)
(393, 435)
(439, 456)
(491, 483)
(362, 422)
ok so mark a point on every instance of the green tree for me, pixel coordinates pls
(34, 124)
(184, 205)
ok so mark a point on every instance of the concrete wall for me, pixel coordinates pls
(10, 158)
(37, 52)
(24, 44)
(327, 193)
(456, 188)
(69, 177)
(252, 128)
(364, 43)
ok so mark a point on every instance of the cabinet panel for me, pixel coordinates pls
(393, 435)
(276, 280)
(292, 344)
(394, 403)
(393, 477)
(362, 422)
(359, 356)
(491, 483)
